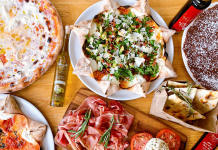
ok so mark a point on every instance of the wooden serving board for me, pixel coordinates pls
(142, 122)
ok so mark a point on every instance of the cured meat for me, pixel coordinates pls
(99, 122)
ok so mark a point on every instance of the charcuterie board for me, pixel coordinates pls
(141, 123)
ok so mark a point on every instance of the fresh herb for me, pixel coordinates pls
(106, 22)
(83, 127)
(109, 32)
(189, 86)
(86, 36)
(122, 73)
(152, 42)
(188, 101)
(106, 136)
(146, 19)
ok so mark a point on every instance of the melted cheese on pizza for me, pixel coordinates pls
(124, 47)
(27, 37)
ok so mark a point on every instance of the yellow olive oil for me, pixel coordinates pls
(61, 73)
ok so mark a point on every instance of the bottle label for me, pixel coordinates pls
(186, 18)
(209, 142)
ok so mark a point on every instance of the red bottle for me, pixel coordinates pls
(208, 141)
(188, 13)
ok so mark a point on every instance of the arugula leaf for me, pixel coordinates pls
(122, 73)
(152, 42)
(146, 18)
(109, 32)
(86, 36)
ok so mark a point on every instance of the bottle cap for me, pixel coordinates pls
(67, 29)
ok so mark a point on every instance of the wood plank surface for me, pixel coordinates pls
(39, 92)
(142, 122)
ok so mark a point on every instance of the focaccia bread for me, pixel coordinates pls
(123, 48)
(18, 131)
(187, 101)
(178, 108)
(31, 37)
(205, 100)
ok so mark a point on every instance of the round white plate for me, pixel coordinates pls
(75, 52)
(33, 113)
(182, 44)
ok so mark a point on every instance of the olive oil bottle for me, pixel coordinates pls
(61, 73)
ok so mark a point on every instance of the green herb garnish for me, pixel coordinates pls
(106, 136)
(189, 86)
(188, 101)
(122, 73)
(83, 127)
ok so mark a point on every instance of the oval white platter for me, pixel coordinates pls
(75, 52)
(182, 43)
(33, 113)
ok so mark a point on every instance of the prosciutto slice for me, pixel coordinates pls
(99, 122)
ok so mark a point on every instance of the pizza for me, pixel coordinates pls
(16, 130)
(123, 48)
(31, 35)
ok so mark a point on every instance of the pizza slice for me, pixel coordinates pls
(123, 48)
(16, 130)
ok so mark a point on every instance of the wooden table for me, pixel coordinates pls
(39, 93)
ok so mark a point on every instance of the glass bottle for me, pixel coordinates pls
(208, 141)
(188, 13)
(61, 73)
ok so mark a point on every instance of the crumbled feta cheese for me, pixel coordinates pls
(117, 21)
(132, 55)
(112, 79)
(100, 48)
(112, 70)
(95, 51)
(123, 32)
(138, 61)
(97, 35)
(143, 29)
(117, 59)
(107, 55)
(122, 56)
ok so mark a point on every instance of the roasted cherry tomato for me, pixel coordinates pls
(171, 138)
(139, 141)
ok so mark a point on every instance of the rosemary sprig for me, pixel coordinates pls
(188, 101)
(189, 86)
(106, 136)
(83, 127)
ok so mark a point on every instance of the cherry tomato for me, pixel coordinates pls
(171, 138)
(139, 141)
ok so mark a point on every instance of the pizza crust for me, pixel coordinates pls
(37, 130)
(83, 66)
(8, 105)
(51, 59)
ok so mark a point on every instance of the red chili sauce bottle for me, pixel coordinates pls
(188, 13)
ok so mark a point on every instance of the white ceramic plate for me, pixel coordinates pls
(182, 44)
(33, 113)
(75, 52)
